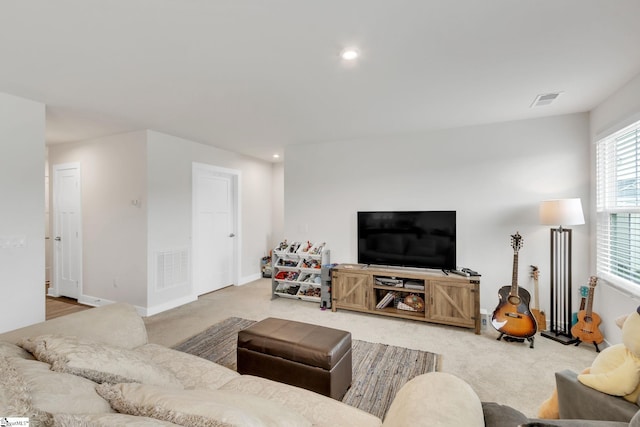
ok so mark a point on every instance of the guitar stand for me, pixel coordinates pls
(509, 338)
(594, 343)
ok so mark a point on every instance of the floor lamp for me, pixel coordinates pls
(560, 212)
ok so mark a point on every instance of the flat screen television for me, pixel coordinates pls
(423, 239)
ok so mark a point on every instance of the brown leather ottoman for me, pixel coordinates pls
(299, 354)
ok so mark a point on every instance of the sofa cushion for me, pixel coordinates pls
(320, 410)
(496, 415)
(573, 423)
(59, 392)
(577, 401)
(8, 349)
(97, 362)
(116, 324)
(441, 396)
(199, 407)
(192, 371)
(15, 399)
(106, 420)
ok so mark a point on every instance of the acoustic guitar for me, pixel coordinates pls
(586, 329)
(584, 292)
(541, 318)
(512, 316)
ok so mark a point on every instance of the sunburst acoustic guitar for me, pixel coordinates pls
(512, 316)
(586, 329)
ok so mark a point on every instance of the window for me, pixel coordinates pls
(618, 208)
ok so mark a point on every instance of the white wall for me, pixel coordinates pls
(170, 162)
(277, 224)
(114, 231)
(494, 176)
(22, 155)
(136, 201)
(619, 110)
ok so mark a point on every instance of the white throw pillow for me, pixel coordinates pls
(106, 420)
(15, 400)
(96, 361)
(192, 371)
(8, 349)
(59, 392)
(199, 407)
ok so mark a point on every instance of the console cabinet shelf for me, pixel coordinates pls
(421, 295)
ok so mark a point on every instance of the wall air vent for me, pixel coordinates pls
(172, 268)
(545, 99)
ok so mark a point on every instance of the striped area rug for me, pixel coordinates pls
(379, 370)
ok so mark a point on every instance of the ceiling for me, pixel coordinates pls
(254, 76)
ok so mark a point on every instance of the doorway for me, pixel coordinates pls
(215, 227)
(67, 226)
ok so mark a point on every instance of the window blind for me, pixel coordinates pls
(618, 206)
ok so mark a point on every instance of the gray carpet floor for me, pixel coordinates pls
(508, 373)
(379, 370)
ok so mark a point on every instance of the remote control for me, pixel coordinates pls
(470, 272)
(460, 273)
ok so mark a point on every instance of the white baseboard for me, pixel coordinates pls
(150, 311)
(249, 279)
(142, 311)
(93, 301)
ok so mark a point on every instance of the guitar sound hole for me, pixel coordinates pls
(514, 299)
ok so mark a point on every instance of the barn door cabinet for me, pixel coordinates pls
(428, 296)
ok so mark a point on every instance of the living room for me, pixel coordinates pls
(494, 173)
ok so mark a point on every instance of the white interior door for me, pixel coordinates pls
(48, 256)
(67, 241)
(214, 228)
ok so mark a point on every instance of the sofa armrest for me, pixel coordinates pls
(435, 399)
(116, 324)
(573, 423)
(577, 401)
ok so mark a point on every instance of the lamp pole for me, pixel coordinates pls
(555, 212)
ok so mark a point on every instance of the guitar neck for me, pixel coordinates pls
(589, 308)
(514, 276)
(593, 281)
(535, 273)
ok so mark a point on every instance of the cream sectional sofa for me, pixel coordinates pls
(57, 382)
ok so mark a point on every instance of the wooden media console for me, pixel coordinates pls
(424, 295)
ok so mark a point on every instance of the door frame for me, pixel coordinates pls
(236, 179)
(54, 289)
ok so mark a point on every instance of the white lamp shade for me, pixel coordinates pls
(561, 212)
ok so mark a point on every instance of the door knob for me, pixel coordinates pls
(232, 235)
(57, 238)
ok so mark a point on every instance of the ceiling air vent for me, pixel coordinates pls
(545, 99)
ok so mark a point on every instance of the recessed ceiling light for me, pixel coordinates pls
(349, 54)
(276, 156)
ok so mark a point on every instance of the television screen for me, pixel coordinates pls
(425, 239)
